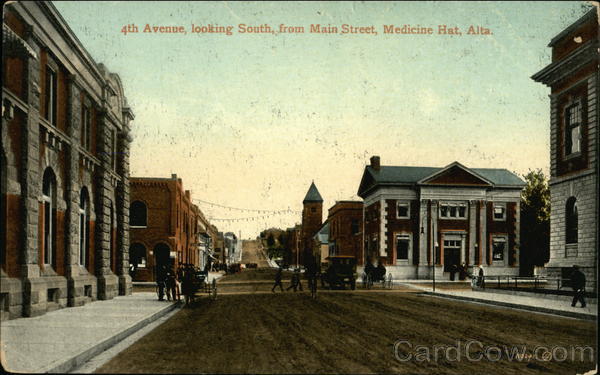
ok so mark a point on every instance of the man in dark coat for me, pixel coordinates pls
(277, 280)
(578, 285)
(161, 276)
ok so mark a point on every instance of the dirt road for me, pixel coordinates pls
(350, 332)
(252, 253)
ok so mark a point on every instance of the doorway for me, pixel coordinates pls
(451, 254)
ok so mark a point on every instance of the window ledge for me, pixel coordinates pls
(138, 226)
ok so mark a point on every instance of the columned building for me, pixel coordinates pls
(421, 220)
(65, 168)
(573, 80)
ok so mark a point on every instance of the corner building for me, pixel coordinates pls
(421, 220)
(65, 167)
(574, 191)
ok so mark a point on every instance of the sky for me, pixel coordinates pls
(249, 120)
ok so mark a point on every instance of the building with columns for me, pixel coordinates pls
(65, 168)
(418, 217)
(574, 139)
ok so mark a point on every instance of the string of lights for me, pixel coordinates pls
(285, 211)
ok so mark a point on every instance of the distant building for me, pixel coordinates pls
(574, 188)
(321, 245)
(312, 219)
(415, 217)
(64, 168)
(345, 229)
(163, 226)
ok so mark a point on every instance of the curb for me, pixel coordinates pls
(568, 314)
(81, 358)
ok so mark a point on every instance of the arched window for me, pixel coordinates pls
(572, 220)
(138, 214)
(84, 227)
(49, 215)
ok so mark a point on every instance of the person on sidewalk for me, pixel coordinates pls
(171, 285)
(161, 275)
(481, 277)
(278, 280)
(462, 272)
(296, 283)
(578, 285)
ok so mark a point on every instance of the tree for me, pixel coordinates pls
(535, 222)
(270, 240)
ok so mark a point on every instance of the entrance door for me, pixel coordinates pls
(451, 254)
(161, 257)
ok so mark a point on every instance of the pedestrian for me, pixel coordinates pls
(462, 271)
(187, 284)
(296, 283)
(171, 285)
(453, 269)
(277, 280)
(481, 277)
(578, 285)
(161, 274)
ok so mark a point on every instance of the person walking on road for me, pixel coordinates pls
(296, 283)
(277, 280)
(578, 285)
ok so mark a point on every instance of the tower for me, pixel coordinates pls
(312, 219)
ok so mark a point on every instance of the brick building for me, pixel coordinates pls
(345, 229)
(164, 226)
(312, 220)
(573, 80)
(65, 167)
(414, 216)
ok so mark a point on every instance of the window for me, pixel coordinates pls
(572, 221)
(354, 226)
(137, 255)
(313, 209)
(113, 149)
(403, 210)
(49, 205)
(453, 210)
(50, 95)
(138, 215)
(402, 246)
(498, 248)
(86, 128)
(499, 212)
(84, 227)
(452, 244)
(573, 129)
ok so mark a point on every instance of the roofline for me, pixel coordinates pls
(451, 165)
(572, 27)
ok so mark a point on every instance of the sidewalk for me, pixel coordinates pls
(61, 340)
(543, 305)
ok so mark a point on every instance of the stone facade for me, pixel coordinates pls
(165, 226)
(65, 168)
(573, 79)
(421, 221)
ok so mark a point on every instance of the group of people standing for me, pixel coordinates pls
(174, 284)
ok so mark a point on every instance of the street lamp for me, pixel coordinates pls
(437, 245)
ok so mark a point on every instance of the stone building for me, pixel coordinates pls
(345, 229)
(415, 217)
(573, 80)
(65, 168)
(164, 226)
(312, 220)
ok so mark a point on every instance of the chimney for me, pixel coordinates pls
(174, 176)
(375, 163)
(187, 194)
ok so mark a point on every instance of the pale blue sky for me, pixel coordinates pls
(256, 118)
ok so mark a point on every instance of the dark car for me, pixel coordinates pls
(341, 271)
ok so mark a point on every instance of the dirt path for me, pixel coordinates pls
(252, 253)
(248, 329)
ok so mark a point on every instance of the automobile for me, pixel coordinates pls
(341, 271)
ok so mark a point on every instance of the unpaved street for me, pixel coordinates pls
(252, 253)
(344, 332)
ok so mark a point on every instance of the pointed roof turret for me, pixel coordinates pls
(313, 194)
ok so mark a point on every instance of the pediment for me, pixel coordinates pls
(455, 174)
